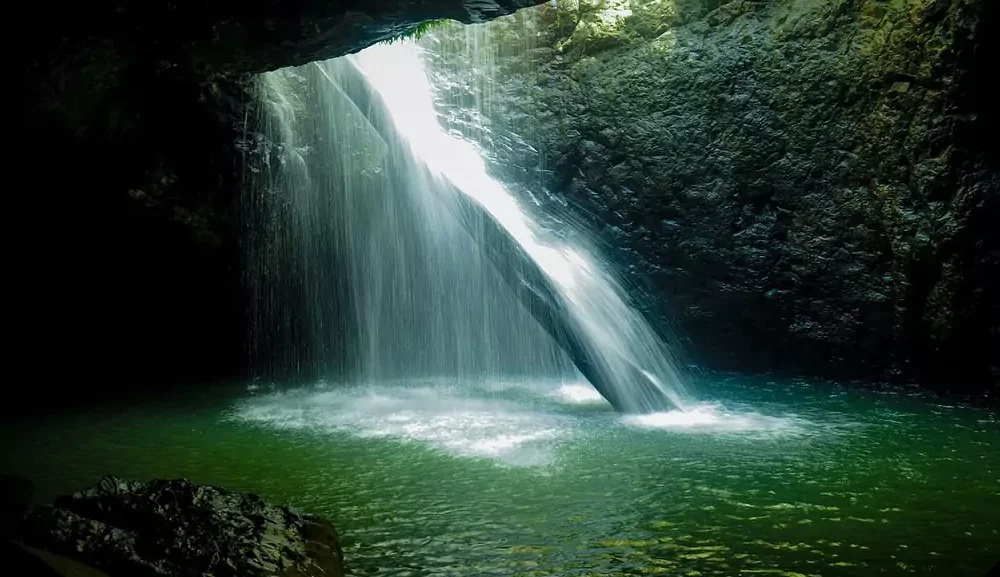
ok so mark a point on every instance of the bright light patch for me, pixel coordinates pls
(579, 394)
(709, 418)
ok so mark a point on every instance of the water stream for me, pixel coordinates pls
(427, 241)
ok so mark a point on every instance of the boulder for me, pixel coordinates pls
(176, 527)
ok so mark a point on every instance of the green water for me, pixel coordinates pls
(542, 479)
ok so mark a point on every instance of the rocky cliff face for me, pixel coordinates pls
(807, 184)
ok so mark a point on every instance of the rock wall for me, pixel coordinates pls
(806, 184)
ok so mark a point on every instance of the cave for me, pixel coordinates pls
(699, 287)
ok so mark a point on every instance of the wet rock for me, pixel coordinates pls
(807, 186)
(176, 527)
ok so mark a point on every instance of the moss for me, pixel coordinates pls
(418, 31)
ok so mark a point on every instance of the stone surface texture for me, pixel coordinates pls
(808, 185)
(175, 527)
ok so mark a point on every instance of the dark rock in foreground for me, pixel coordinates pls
(179, 528)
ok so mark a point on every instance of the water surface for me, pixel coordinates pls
(541, 478)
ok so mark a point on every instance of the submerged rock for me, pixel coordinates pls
(176, 527)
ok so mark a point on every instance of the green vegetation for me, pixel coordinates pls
(417, 32)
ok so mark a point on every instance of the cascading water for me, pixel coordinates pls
(391, 205)
(361, 273)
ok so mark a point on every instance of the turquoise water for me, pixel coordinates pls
(439, 478)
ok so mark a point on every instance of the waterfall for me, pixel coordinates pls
(399, 256)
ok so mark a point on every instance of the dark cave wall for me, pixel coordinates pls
(136, 277)
(127, 259)
(808, 185)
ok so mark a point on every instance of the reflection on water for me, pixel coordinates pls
(543, 478)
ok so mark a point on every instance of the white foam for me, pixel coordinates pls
(711, 418)
(519, 423)
(505, 432)
(579, 394)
